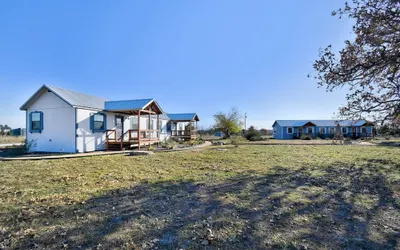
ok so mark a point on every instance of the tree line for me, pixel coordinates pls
(5, 130)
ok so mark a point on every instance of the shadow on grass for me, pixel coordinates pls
(337, 207)
(389, 144)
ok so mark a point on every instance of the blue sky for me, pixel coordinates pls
(192, 56)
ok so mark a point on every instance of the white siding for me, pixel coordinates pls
(58, 134)
(179, 125)
(88, 141)
(164, 135)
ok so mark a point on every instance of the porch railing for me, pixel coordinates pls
(184, 133)
(111, 136)
(132, 135)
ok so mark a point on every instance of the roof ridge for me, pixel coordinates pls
(127, 100)
(322, 120)
(53, 86)
(182, 113)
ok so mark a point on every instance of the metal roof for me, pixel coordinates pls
(127, 104)
(76, 99)
(320, 123)
(79, 100)
(73, 98)
(183, 117)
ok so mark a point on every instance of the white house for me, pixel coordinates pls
(61, 120)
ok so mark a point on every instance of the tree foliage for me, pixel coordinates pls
(5, 130)
(370, 64)
(229, 123)
(252, 134)
(389, 129)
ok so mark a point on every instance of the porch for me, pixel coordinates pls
(184, 134)
(184, 126)
(131, 139)
(122, 139)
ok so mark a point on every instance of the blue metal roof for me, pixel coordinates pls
(127, 105)
(321, 123)
(183, 117)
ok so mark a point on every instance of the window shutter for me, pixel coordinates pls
(169, 127)
(105, 122)
(92, 123)
(41, 122)
(30, 122)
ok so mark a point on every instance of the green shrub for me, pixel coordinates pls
(255, 138)
(252, 135)
(305, 137)
(170, 144)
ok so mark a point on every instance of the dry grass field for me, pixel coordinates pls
(5, 139)
(249, 197)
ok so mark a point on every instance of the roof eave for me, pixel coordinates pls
(44, 86)
(156, 103)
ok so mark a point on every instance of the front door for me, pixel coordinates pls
(119, 126)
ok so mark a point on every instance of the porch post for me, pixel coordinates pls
(149, 128)
(138, 132)
(158, 126)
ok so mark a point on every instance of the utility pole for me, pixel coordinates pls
(245, 120)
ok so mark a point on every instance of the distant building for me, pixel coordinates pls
(18, 132)
(6, 131)
(291, 129)
(219, 134)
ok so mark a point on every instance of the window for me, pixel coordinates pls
(344, 130)
(134, 123)
(36, 122)
(326, 130)
(160, 124)
(310, 130)
(290, 130)
(321, 130)
(363, 130)
(98, 122)
(274, 131)
(331, 130)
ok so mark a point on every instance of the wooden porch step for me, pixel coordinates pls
(112, 146)
(115, 146)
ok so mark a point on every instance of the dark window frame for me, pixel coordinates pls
(36, 126)
(95, 122)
